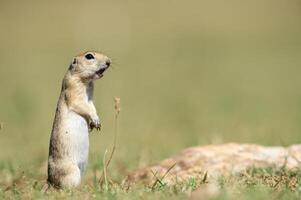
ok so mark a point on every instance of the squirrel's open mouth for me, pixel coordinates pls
(100, 71)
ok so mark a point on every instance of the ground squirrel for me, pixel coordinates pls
(75, 116)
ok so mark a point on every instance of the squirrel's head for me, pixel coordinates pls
(90, 65)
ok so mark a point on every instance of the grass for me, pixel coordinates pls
(255, 183)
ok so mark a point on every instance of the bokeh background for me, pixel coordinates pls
(188, 73)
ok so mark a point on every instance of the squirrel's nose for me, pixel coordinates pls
(108, 63)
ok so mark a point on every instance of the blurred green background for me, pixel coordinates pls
(187, 72)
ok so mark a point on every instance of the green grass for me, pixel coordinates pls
(255, 183)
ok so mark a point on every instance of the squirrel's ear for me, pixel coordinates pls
(71, 67)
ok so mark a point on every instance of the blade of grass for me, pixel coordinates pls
(105, 170)
(117, 111)
(161, 179)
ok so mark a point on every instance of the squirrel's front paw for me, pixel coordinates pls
(95, 123)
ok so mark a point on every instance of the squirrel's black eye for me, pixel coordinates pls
(89, 56)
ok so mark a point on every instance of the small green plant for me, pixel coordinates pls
(192, 183)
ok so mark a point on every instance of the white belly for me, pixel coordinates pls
(77, 133)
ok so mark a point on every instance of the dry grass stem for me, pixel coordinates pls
(161, 179)
(106, 164)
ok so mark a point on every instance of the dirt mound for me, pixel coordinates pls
(215, 160)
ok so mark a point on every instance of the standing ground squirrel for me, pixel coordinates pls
(75, 116)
